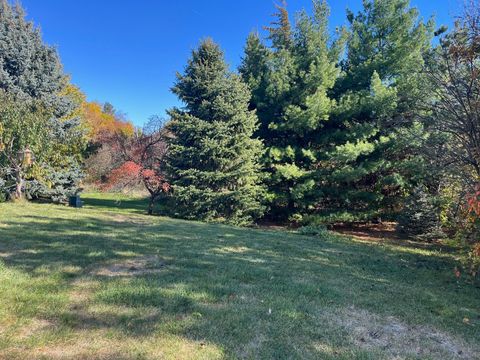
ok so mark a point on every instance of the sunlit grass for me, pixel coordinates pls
(219, 292)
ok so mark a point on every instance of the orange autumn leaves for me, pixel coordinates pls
(473, 203)
(473, 209)
(100, 122)
(97, 121)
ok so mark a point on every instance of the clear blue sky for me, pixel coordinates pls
(127, 52)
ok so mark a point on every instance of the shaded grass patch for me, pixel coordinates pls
(222, 292)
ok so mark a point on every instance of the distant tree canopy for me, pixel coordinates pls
(102, 121)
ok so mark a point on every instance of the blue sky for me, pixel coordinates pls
(127, 52)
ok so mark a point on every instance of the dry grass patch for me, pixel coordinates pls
(130, 220)
(396, 339)
(98, 345)
(35, 327)
(132, 267)
(83, 348)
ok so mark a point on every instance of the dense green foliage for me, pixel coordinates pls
(22, 126)
(37, 113)
(213, 159)
(373, 160)
(29, 69)
(291, 82)
(55, 146)
(336, 130)
(318, 131)
(420, 217)
(317, 128)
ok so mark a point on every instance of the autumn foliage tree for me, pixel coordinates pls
(473, 201)
(103, 121)
(141, 161)
(471, 229)
(103, 125)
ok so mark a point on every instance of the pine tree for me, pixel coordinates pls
(367, 166)
(254, 71)
(280, 33)
(213, 159)
(293, 103)
(420, 217)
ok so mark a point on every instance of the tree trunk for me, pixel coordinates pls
(150, 205)
(18, 184)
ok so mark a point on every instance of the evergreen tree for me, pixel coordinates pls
(31, 73)
(254, 71)
(367, 165)
(213, 159)
(280, 33)
(291, 85)
(28, 67)
(420, 217)
(341, 142)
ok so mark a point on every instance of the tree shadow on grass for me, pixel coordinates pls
(123, 203)
(135, 205)
(254, 294)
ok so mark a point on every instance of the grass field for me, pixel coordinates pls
(107, 282)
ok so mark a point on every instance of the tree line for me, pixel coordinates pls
(377, 121)
(343, 128)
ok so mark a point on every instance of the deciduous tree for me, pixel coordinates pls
(142, 158)
(32, 76)
(454, 72)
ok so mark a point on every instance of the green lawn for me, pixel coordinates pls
(107, 282)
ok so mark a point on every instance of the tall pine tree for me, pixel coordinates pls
(291, 84)
(371, 162)
(342, 141)
(213, 158)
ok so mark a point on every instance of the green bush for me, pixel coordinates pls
(315, 230)
(339, 217)
(3, 191)
(420, 217)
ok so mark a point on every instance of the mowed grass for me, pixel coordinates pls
(107, 282)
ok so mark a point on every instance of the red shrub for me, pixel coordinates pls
(473, 201)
